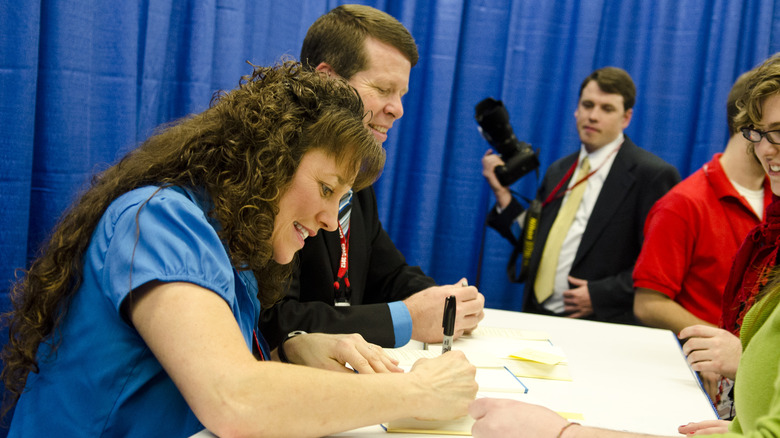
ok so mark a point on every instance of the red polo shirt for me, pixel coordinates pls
(691, 236)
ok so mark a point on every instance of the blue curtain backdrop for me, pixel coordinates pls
(83, 81)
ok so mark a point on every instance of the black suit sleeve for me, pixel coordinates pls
(372, 321)
(502, 222)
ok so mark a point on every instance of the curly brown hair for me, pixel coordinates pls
(243, 151)
(763, 82)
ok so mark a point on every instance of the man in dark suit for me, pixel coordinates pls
(355, 280)
(584, 252)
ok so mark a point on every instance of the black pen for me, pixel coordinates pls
(448, 322)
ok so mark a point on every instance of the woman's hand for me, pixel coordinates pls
(704, 428)
(334, 352)
(711, 349)
(711, 383)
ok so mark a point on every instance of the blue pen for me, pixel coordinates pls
(448, 322)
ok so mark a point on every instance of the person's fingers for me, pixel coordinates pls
(697, 331)
(369, 359)
(355, 351)
(704, 428)
(696, 344)
(388, 363)
(464, 294)
(698, 356)
(468, 308)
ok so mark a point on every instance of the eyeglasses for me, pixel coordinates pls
(755, 135)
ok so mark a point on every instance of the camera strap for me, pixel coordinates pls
(525, 245)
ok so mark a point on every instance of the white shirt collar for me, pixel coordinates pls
(598, 156)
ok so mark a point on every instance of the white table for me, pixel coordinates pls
(623, 377)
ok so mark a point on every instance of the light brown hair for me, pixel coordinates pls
(338, 39)
(615, 81)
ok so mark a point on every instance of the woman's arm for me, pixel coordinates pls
(194, 335)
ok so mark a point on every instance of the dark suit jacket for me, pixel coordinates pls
(613, 236)
(378, 274)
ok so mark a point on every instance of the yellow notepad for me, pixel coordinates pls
(536, 370)
(459, 426)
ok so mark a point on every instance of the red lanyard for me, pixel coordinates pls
(341, 285)
(555, 195)
(257, 345)
(344, 264)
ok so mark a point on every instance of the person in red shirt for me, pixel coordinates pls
(693, 232)
(691, 237)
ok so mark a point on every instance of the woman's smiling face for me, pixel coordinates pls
(769, 154)
(310, 203)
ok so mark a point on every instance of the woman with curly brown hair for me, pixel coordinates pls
(137, 319)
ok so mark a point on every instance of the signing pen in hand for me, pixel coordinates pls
(448, 323)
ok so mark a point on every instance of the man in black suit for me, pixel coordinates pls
(584, 253)
(357, 281)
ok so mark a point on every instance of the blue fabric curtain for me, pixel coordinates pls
(83, 81)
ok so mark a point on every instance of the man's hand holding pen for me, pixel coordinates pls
(426, 309)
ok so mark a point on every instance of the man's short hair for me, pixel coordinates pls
(737, 91)
(614, 80)
(337, 38)
(763, 83)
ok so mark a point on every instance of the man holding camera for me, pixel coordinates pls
(355, 280)
(594, 204)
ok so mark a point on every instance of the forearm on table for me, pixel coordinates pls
(315, 402)
(654, 309)
(577, 431)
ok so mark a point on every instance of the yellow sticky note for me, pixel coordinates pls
(538, 356)
(536, 370)
(572, 416)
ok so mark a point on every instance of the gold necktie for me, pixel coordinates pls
(545, 277)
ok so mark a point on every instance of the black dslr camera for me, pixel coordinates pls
(519, 158)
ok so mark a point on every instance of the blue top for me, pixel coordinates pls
(103, 380)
